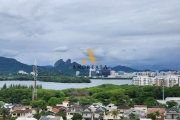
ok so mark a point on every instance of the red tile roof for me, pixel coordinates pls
(55, 110)
(153, 110)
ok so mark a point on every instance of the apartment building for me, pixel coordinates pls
(143, 80)
(169, 80)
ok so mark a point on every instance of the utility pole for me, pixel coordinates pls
(34, 94)
(163, 92)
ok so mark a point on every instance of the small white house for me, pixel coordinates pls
(64, 103)
(141, 107)
(111, 107)
(21, 118)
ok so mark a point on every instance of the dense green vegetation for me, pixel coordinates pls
(106, 93)
(61, 79)
(53, 73)
(77, 116)
(6, 114)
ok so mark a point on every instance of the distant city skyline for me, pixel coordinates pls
(138, 34)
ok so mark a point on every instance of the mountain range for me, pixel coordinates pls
(11, 65)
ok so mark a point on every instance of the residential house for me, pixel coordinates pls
(171, 114)
(49, 108)
(23, 111)
(64, 103)
(110, 116)
(62, 108)
(96, 106)
(35, 110)
(87, 114)
(10, 106)
(54, 111)
(21, 118)
(99, 113)
(137, 112)
(160, 110)
(49, 117)
(72, 110)
(111, 107)
(122, 109)
(141, 107)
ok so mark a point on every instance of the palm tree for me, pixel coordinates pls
(114, 113)
(101, 116)
(5, 113)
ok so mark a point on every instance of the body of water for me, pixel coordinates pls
(60, 86)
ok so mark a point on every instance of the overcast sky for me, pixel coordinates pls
(135, 33)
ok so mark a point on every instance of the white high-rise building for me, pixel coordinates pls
(112, 73)
(77, 73)
(22, 72)
(179, 79)
(91, 71)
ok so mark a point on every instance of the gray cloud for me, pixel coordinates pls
(61, 49)
(135, 33)
(8, 53)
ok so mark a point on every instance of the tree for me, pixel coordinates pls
(61, 113)
(77, 116)
(38, 115)
(101, 116)
(157, 113)
(171, 103)
(151, 115)
(73, 99)
(4, 86)
(114, 113)
(132, 116)
(150, 102)
(4, 113)
(25, 102)
(1, 104)
(178, 118)
(39, 104)
(121, 117)
(53, 101)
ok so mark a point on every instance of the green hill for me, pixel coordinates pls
(11, 65)
(124, 68)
